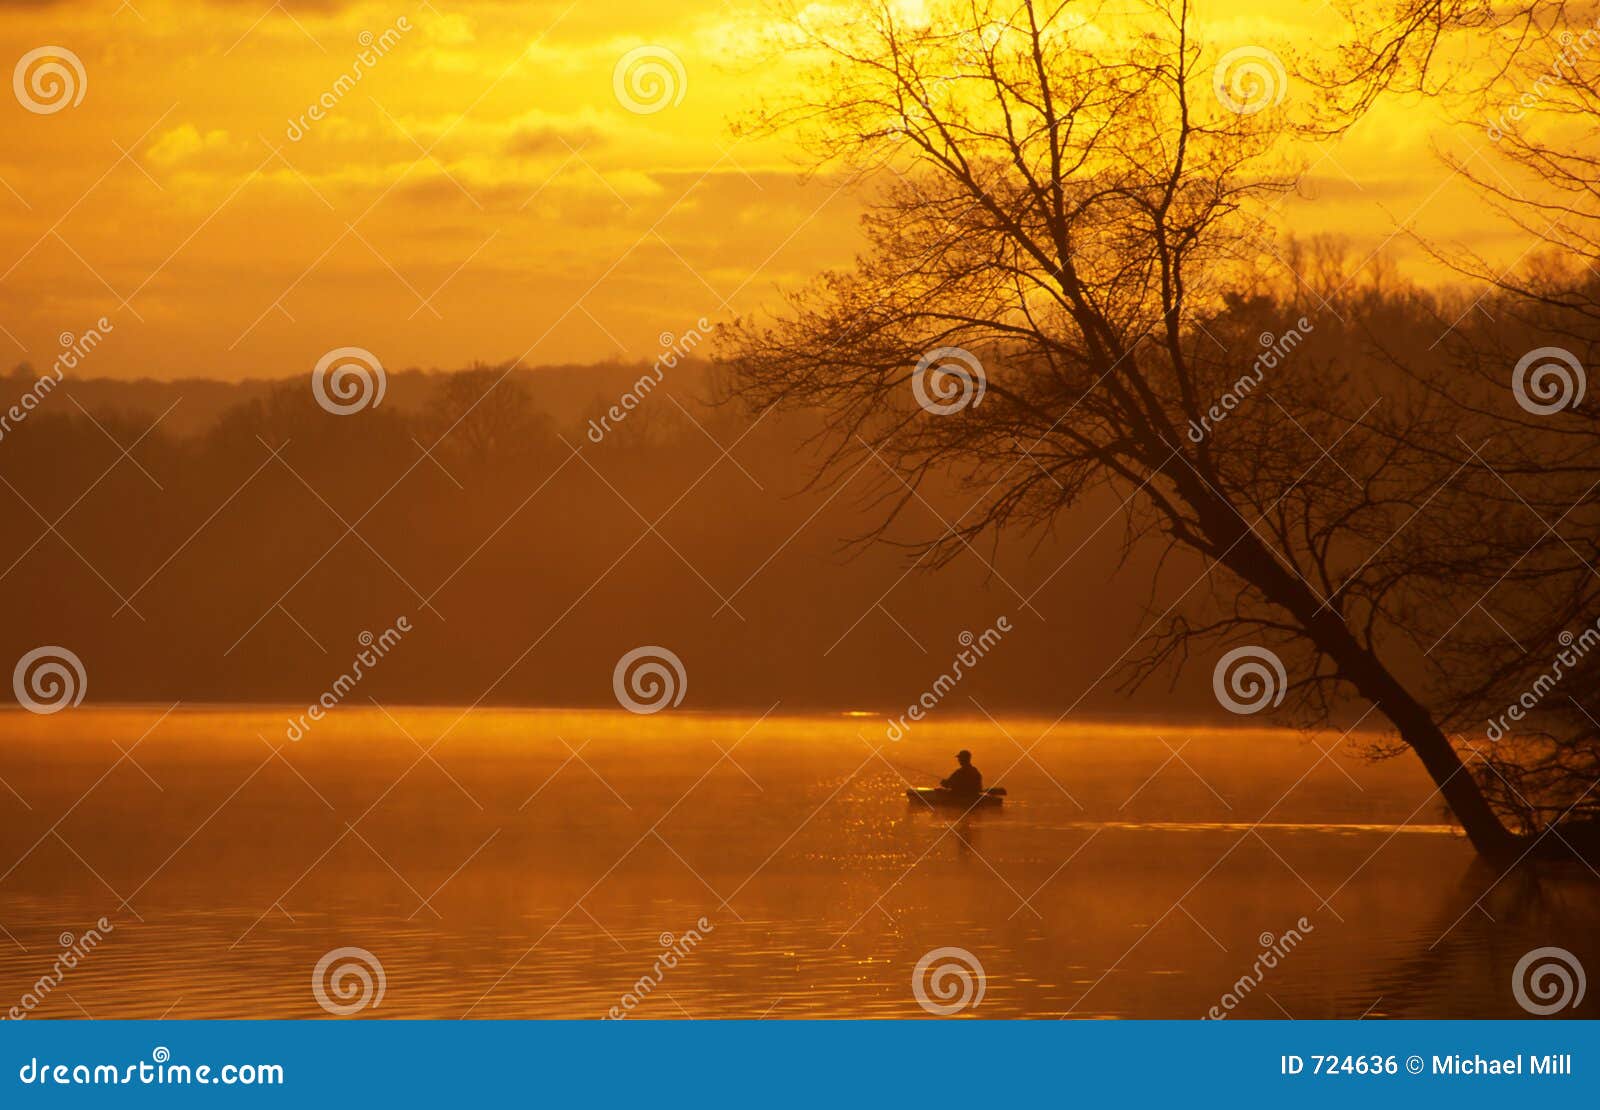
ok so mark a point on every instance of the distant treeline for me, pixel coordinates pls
(530, 538)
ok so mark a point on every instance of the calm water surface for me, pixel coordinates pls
(533, 863)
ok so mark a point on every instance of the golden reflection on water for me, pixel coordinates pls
(532, 864)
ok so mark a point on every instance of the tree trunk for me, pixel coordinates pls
(1248, 557)
(1456, 785)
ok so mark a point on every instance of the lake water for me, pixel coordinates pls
(541, 863)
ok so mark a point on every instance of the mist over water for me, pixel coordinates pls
(539, 863)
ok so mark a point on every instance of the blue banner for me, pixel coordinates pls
(804, 1064)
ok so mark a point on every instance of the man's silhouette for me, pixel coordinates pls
(965, 779)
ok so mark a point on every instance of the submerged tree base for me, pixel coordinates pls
(1576, 841)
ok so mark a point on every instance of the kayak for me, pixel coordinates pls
(949, 799)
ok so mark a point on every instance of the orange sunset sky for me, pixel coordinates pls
(482, 193)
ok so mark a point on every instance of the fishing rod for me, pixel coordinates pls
(902, 766)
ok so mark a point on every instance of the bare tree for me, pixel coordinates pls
(1501, 575)
(1516, 390)
(1066, 209)
(484, 412)
(1412, 46)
